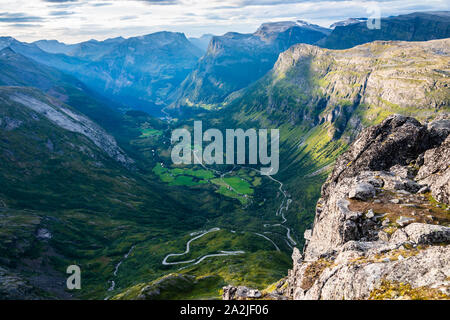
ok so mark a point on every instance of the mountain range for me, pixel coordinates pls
(87, 177)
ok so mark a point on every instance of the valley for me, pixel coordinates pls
(86, 171)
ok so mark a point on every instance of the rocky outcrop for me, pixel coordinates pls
(382, 223)
(418, 26)
(73, 121)
(343, 91)
(240, 293)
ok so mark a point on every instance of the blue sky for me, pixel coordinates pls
(73, 21)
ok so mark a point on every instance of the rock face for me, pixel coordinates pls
(240, 293)
(345, 90)
(234, 60)
(374, 235)
(419, 26)
(75, 122)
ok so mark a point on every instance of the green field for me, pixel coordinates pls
(150, 133)
(182, 177)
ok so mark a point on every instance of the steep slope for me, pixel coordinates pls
(419, 26)
(235, 60)
(352, 87)
(68, 197)
(321, 99)
(18, 70)
(378, 232)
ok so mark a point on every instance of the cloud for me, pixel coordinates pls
(61, 13)
(161, 2)
(25, 25)
(18, 17)
(124, 18)
(79, 20)
(101, 4)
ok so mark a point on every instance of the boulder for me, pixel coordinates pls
(422, 233)
(362, 191)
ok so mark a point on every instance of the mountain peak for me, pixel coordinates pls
(6, 51)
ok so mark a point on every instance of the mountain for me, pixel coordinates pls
(139, 72)
(88, 185)
(54, 46)
(235, 60)
(91, 49)
(381, 229)
(78, 193)
(321, 99)
(72, 195)
(347, 22)
(347, 89)
(202, 42)
(389, 215)
(419, 26)
(18, 70)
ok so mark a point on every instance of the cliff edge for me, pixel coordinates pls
(381, 229)
(381, 226)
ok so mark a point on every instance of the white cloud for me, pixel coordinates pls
(74, 21)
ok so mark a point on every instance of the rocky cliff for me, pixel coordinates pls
(381, 226)
(417, 26)
(235, 60)
(381, 229)
(350, 89)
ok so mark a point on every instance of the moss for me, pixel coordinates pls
(313, 272)
(393, 255)
(389, 290)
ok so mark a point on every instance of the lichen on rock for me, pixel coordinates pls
(376, 234)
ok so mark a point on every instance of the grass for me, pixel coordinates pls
(237, 185)
(389, 290)
(182, 177)
(150, 133)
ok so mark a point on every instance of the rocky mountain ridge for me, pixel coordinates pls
(382, 224)
(381, 229)
(139, 72)
(417, 26)
(345, 90)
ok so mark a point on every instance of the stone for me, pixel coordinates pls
(370, 214)
(307, 234)
(383, 236)
(422, 233)
(362, 191)
(345, 248)
(424, 189)
(404, 221)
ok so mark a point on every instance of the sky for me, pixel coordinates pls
(72, 21)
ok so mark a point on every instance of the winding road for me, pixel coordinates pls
(200, 259)
(284, 206)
